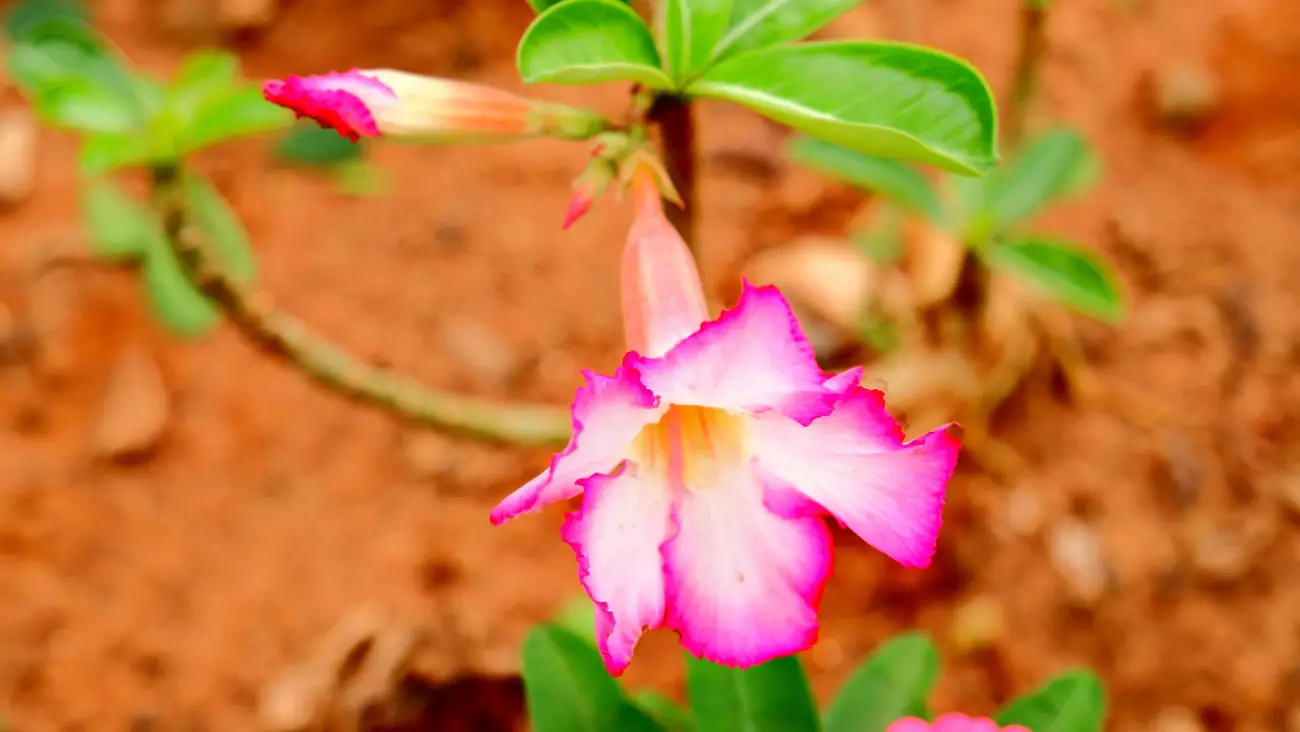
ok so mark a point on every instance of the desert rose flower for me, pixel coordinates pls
(707, 462)
(373, 102)
(952, 723)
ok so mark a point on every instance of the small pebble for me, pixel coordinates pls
(1077, 556)
(1186, 92)
(1177, 719)
(135, 412)
(18, 141)
(978, 625)
(1223, 553)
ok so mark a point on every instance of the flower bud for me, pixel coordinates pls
(593, 181)
(663, 299)
(369, 103)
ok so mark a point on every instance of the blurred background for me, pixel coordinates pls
(191, 533)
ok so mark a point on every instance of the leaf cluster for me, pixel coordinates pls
(568, 690)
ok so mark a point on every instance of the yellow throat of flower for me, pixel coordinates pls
(690, 446)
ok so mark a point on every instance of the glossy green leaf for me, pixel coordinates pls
(1051, 166)
(589, 42)
(670, 715)
(761, 23)
(689, 30)
(771, 697)
(310, 144)
(893, 682)
(173, 300)
(1074, 701)
(1066, 272)
(108, 151)
(894, 179)
(886, 99)
(568, 689)
(119, 227)
(239, 112)
(208, 209)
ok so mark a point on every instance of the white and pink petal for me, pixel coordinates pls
(754, 358)
(854, 465)
(617, 536)
(607, 414)
(743, 584)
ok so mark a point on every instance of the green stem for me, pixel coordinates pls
(676, 121)
(282, 335)
(1033, 46)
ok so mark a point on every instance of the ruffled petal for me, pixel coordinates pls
(844, 381)
(955, 722)
(854, 465)
(743, 584)
(617, 535)
(607, 413)
(753, 358)
(342, 101)
(909, 724)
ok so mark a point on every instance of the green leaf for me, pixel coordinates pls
(893, 179)
(120, 228)
(568, 689)
(74, 78)
(1066, 272)
(542, 5)
(689, 31)
(238, 112)
(772, 697)
(1053, 165)
(762, 23)
(668, 713)
(27, 13)
(203, 79)
(107, 151)
(1074, 701)
(174, 301)
(310, 144)
(886, 99)
(212, 216)
(892, 683)
(589, 42)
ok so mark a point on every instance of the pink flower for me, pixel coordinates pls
(952, 723)
(707, 462)
(367, 103)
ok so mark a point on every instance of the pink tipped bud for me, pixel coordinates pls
(593, 181)
(663, 299)
(579, 204)
(366, 103)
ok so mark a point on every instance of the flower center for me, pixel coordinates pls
(692, 445)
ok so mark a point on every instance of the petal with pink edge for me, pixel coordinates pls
(342, 101)
(753, 358)
(607, 414)
(844, 381)
(743, 584)
(909, 724)
(854, 465)
(617, 535)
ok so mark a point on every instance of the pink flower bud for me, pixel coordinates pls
(367, 103)
(663, 299)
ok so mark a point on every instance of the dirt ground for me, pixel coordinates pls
(166, 594)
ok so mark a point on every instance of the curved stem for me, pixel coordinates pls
(281, 334)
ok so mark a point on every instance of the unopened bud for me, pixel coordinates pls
(591, 183)
(369, 103)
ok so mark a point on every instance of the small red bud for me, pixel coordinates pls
(579, 204)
